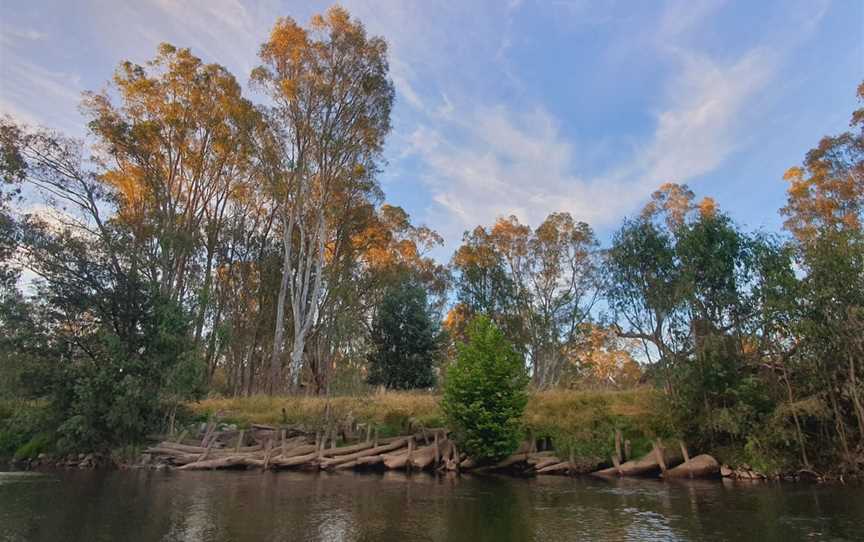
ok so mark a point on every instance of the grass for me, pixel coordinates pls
(584, 422)
(391, 412)
(580, 421)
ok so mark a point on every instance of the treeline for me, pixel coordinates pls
(197, 241)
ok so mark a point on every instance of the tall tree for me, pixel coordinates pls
(332, 100)
(173, 151)
(825, 214)
(540, 285)
(403, 340)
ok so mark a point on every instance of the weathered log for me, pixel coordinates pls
(369, 460)
(345, 450)
(546, 462)
(295, 461)
(645, 466)
(561, 466)
(302, 449)
(395, 445)
(396, 461)
(452, 463)
(400, 460)
(240, 441)
(701, 466)
(538, 457)
(684, 451)
(267, 455)
(508, 461)
(346, 465)
(425, 457)
(185, 448)
(211, 426)
(658, 455)
(222, 463)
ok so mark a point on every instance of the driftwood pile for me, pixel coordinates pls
(274, 448)
(270, 448)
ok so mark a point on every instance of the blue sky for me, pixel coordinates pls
(515, 107)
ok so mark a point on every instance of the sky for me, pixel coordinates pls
(514, 106)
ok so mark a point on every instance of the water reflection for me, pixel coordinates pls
(236, 506)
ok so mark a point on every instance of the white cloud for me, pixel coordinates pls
(26, 88)
(704, 124)
(479, 157)
(10, 35)
(484, 161)
(498, 161)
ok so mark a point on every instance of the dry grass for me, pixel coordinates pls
(576, 419)
(390, 411)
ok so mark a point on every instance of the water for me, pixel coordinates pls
(238, 506)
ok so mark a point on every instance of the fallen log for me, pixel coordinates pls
(346, 465)
(369, 461)
(400, 460)
(426, 456)
(561, 466)
(200, 449)
(345, 450)
(222, 463)
(294, 461)
(701, 466)
(644, 466)
(537, 457)
(511, 460)
(546, 462)
(303, 449)
(395, 445)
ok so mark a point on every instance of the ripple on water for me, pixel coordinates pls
(19, 477)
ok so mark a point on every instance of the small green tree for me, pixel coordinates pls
(404, 339)
(485, 393)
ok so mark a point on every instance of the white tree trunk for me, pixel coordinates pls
(279, 332)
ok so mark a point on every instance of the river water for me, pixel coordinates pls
(239, 506)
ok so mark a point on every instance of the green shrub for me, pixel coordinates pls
(485, 393)
(24, 427)
(40, 442)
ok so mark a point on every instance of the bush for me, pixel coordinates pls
(485, 393)
(131, 384)
(25, 428)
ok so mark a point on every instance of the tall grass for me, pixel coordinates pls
(580, 421)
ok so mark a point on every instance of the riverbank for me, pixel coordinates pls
(582, 429)
(583, 422)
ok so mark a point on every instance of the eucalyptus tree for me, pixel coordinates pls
(540, 285)
(332, 100)
(173, 145)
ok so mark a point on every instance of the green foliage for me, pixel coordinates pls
(124, 392)
(584, 422)
(404, 340)
(718, 398)
(39, 443)
(22, 423)
(485, 393)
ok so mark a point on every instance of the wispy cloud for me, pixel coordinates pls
(484, 160)
(26, 88)
(474, 120)
(703, 124)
